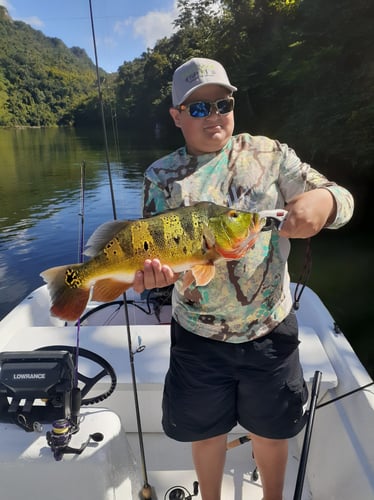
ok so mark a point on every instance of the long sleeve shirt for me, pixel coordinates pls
(247, 297)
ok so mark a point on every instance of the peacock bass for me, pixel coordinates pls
(188, 239)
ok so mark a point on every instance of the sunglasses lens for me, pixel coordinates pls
(225, 106)
(199, 109)
(202, 109)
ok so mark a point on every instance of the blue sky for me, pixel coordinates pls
(124, 29)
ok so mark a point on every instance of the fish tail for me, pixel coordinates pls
(68, 296)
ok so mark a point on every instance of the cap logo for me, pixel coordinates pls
(201, 72)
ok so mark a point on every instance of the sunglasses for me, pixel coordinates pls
(202, 109)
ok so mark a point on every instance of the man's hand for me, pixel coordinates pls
(154, 275)
(308, 213)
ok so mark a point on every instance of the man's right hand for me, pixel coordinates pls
(154, 275)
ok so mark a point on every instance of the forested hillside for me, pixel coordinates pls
(304, 69)
(42, 82)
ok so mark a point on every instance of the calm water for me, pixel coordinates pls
(40, 221)
(40, 200)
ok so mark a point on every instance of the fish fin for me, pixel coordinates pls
(108, 289)
(240, 251)
(188, 279)
(67, 303)
(201, 273)
(104, 233)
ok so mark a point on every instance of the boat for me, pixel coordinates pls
(86, 423)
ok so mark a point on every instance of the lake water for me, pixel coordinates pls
(40, 221)
(40, 200)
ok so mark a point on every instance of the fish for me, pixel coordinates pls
(189, 239)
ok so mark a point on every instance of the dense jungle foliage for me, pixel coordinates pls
(304, 69)
(42, 82)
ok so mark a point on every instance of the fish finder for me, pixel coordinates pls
(36, 382)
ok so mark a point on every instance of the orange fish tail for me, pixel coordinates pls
(67, 302)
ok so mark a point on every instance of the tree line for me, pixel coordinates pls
(304, 70)
(42, 82)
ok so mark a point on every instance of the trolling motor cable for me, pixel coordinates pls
(345, 395)
(246, 437)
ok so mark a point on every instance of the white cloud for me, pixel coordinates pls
(120, 27)
(33, 21)
(6, 4)
(108, 42)
(151, 27)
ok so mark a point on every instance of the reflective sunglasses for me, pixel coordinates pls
(202, 109)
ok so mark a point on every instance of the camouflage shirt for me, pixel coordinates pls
(248, 297)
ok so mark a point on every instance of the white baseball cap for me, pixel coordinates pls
(196, 73)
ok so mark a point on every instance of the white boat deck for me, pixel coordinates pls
(168, 462)
(341, 459)
(151, 363)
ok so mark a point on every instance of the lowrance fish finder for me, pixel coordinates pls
(36, 382)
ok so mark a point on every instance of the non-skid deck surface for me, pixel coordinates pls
(169, 464)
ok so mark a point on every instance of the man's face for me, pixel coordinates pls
(209, 134)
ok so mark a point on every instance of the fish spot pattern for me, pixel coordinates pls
(173, 232)
(141, 237)
(113, 248)
(72, 279)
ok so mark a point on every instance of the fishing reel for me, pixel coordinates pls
(62, 430)
(181, 493)
(39, 387)
(60, 435)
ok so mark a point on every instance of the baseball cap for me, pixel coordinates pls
(195, 73)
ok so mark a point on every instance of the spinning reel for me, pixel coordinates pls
(181, 493)
(48, 375)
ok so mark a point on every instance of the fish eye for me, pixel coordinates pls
(233, 214)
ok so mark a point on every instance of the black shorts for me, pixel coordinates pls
(212, 385)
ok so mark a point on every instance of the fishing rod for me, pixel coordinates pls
(76, 398)
(101, 103)
(306, 442)
(146, 492)
(307, 436)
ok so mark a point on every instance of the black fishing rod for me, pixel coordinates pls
(146, 492)
(101, 103)
(307, 436)
(76, 398)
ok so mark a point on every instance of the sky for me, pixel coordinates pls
(124, 29)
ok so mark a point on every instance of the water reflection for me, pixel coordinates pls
(40, 198)
(40, 221)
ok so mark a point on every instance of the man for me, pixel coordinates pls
(234, 343)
